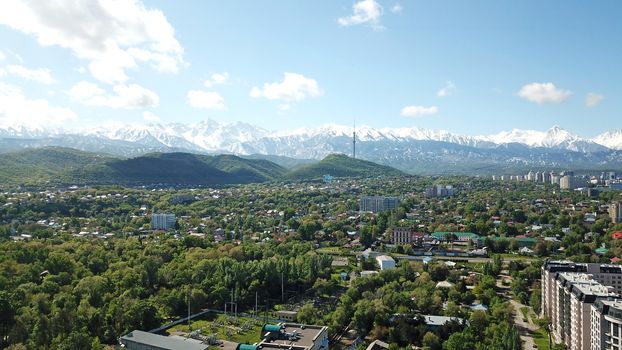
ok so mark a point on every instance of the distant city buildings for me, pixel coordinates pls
(163, 221)
(566, 180)
(376, 204)
(439, 191)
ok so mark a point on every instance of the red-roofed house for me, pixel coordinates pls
(616, 235)
(615, 260)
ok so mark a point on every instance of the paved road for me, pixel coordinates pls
(524, 328)
(462, 258)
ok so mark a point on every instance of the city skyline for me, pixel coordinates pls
(474, 69)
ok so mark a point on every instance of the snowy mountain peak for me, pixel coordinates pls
(243, 138)
(611, 139)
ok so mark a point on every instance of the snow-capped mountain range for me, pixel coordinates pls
(408, 147)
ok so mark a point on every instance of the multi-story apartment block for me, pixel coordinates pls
(606, 328)
(377, 204)
(408, 235)
(402, 235)
(163, 221)
(569, 291)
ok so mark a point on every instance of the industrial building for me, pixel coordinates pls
(284, 336)
(293, 336)
(139, 340)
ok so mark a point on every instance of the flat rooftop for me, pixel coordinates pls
(306, 339)
(384, 258)
(162, 342)
(585, 284)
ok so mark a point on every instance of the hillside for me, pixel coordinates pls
(47, 164)
(339, 165)
(285, 162)
(68, 166)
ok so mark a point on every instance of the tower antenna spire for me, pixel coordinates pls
(354, 140)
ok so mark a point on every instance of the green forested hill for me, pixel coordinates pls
(48, 164)
(339, 165)
(68, 166)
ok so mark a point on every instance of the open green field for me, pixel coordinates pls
(329, 250)
(239, 330)
(541, 339)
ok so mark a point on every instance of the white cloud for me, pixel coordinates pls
(125, 96)
(593, 99)
(112, 36)
(544, 93)
(397, 8)
(364, 12)
(16, 109)
(150, 117)
(2, 56)
(206, 100)
(447, 90)
(2, 72)
(217, 79)
(41, 75)
(418, 111)
(294, 87)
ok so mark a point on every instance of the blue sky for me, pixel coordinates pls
(472, 67)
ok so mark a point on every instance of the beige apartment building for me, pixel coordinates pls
(570, 292)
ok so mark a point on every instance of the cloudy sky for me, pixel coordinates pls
(473, 67)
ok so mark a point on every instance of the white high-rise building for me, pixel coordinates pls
(163, 221)
(377, 204)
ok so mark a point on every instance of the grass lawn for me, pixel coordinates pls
(329, 250)
(226, 328)
(541, 339)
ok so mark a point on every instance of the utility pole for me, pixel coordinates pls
(282, 289)
(189, 328)
(233, 309)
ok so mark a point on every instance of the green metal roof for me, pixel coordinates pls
(457, 234)
(519, 239)
(272, 328)
(246, 347)
(601, 250)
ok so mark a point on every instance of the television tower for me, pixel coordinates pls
(354, 140)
